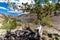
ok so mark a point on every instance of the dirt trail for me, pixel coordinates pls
(56, 22)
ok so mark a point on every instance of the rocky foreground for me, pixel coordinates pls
(49, 33)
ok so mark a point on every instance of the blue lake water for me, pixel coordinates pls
(5, 9)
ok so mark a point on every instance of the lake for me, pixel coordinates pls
(6, 9)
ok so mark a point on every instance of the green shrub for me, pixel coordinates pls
(46, 20)
(36, 21)
(9, 24)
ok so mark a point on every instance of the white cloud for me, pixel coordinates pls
(50, 1)
(25, 1)
(12, 11)
(3, 1)
(3, 8)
